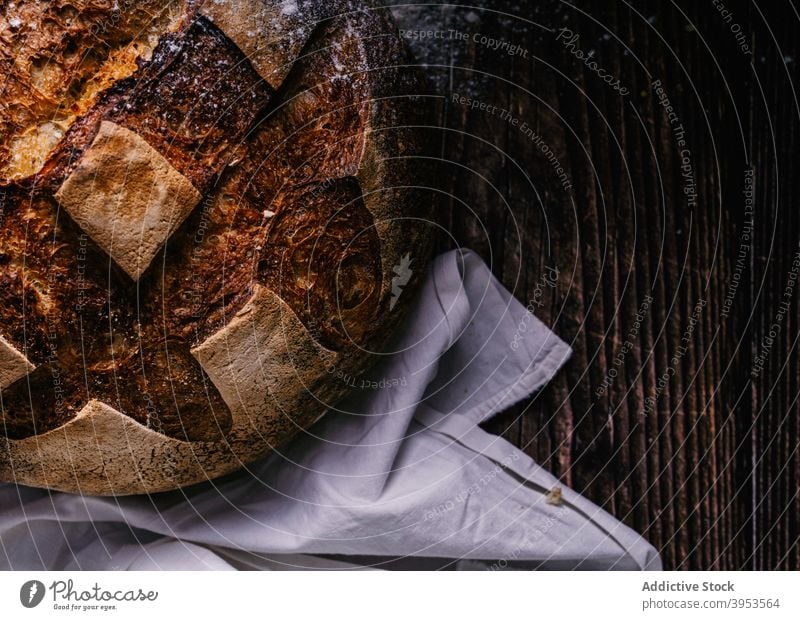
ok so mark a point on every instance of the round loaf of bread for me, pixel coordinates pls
(210, 222)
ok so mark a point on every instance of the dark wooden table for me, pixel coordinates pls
(646, 152)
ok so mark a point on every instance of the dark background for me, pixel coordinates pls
(708, 469)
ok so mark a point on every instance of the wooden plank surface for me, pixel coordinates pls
(657, 177)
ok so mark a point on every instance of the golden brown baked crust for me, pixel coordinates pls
(57, 56)
(170, 336)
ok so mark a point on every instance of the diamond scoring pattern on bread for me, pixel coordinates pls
(127, 197)
(13, 364)
(262, 357)
(221, 349)
(270, 34)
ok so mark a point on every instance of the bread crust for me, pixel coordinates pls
(127, 197)
(13, 364)
(217, 328)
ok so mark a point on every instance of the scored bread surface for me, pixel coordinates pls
(127, 197)
(13, 364)
(210, 241)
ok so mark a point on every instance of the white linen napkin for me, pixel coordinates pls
(401, 476)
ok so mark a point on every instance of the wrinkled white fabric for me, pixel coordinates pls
(401, 470)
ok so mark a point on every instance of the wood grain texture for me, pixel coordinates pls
(678, 412)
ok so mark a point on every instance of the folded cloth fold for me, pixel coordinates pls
(400, 474)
